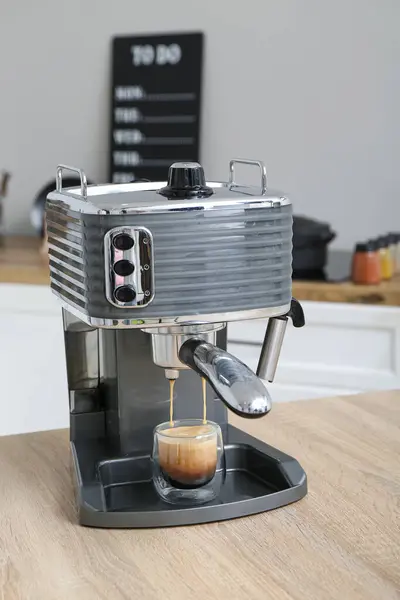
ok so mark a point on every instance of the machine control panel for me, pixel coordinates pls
(129, 266)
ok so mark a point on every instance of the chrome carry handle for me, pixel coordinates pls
(245, 161)
(81, 174)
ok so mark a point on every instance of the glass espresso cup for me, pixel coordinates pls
(188, 461)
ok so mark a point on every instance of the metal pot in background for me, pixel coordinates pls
(4, 180)
(310, 245)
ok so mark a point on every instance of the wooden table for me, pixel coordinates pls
(22, 262)
(386, 293)
(341, 541)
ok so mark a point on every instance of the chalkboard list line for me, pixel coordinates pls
(133, 115)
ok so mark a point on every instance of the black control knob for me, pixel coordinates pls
(124, 268)
(186, 180)
(125, 293)
(123, 241)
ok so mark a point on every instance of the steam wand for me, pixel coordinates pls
(233, 382)
(273, 340)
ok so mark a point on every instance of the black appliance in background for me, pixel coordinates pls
(310, 247)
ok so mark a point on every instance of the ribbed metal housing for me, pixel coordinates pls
(204, 261)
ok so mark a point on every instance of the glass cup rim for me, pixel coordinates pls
(161, 427)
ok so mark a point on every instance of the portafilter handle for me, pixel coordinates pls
(273, 340)
(234, 383)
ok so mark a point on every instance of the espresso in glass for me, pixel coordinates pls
(188, 461)
(187, 455)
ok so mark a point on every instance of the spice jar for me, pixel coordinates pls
(395, 249)
(366, 267)
(385, 258)
(392, 239)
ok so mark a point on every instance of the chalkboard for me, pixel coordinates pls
(155, 107)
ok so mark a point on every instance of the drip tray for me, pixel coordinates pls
(256, 480)
(239, 485)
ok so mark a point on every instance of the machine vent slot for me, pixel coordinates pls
(66, 256)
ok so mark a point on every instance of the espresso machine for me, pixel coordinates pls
(149, 275)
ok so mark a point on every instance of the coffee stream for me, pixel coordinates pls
(204, 387)
(171, 400)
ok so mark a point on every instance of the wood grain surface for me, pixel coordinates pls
(341, 541)
(386, 293)
(22, 262)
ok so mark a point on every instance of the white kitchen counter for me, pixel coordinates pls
(34, 392)
(343, 349)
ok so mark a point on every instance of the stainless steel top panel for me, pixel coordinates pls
(142, 197)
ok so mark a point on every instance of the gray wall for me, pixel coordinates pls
(312, 87)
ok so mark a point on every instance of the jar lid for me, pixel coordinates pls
(393, 238)
(372, 245)
(186, 189)
(381, 242)
(361, 247)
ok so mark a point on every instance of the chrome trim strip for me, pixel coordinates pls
(64, 228)
(71, 198)
(230, 268)
(241, 315)
(75, 309)
(198, 205)
(218, 258)
(256, 242)
(55, 212)
(61, 262)
(70, 255)
(51, 236)
(69, 289)
(64, 275)
(191, 287)
(234, 232)
(186, 329)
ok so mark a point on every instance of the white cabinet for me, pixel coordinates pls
(343, 349)
(33, 393)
